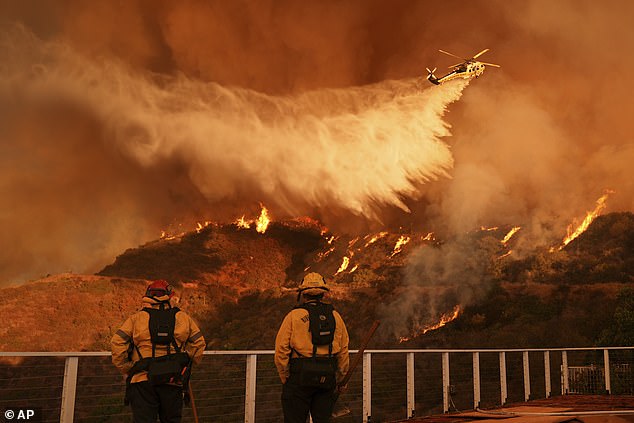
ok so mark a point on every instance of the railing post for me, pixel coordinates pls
(476, 380)
(67, 414)
(249, 396)
(606, 367)
(547, 373)
(411, 402)
(564, 373)
(367, 387)
(445, 382)
(527, 376)
(503, 390)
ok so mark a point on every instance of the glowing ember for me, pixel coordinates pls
(262, 222)
(399, 245)
(331, 239)
(241, 223)
(375, 238)
(505, 254)
(429, 237)
(590, 216)
(444, 319)
(354, 268)
(510, 234)
(344, 265)
(354, 241)
(484, 228)
(201, 226)
(325, 254)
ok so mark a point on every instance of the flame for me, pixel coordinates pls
(399, 245)
(201, 226)
(444, 319)
(510, 234)
(344, 265)
(325, 254)
(429, 237)
(331, 239)
(375, 238)
(262, 222)
(242, 223)
(354, 241)
(590, 216)
(167, 237)
(505, 254)
(484, 228)
(354, 268)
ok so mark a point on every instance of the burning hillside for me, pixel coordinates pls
(423, 290)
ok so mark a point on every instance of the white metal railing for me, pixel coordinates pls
(70, 376)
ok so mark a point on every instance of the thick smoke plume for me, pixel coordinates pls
(88, 170)
(354, 149)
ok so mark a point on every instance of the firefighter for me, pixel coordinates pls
(311, 354)
(155, 348)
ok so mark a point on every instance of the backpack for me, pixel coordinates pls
(172, 367)
(319, 372)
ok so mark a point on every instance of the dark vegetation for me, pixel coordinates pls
(579, 296)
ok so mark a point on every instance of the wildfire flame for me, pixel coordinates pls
(506, 254)
(262, 222)
(324, 254)
(201, 226)
(242, 223)
(444, 319)
(484, 228)
(375, 238)
(429, 237)
(510, 234)
(573, 233)
(344, 265)
(354, 268)
(399, 245)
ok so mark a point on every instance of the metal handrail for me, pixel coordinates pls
(72, 360)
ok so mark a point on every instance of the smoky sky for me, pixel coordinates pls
(534, 142)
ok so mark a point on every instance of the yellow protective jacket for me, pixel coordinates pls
(137, 329)
(294, 335)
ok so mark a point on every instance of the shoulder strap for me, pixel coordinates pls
(171, 324)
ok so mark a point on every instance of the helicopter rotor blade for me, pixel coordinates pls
(455, 66)
(491, 64)
(480, 54)
(451, 54)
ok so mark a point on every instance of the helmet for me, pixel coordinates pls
(313, 284)
(159, 288)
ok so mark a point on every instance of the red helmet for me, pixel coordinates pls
(159, 288)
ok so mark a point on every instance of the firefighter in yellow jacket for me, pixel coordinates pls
(311, 354)
(155, 349)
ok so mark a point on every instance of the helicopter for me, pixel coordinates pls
(467, 69)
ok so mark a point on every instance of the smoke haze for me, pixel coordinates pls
(118, 120)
